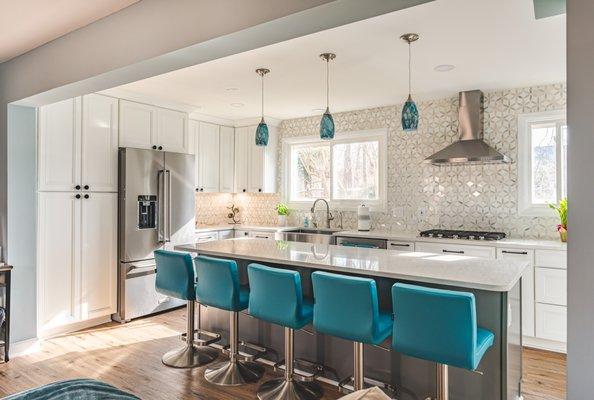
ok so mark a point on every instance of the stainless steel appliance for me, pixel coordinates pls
(469, 235)
(156, 210)
(362, 242)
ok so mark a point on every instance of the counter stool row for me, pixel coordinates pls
(431, 324)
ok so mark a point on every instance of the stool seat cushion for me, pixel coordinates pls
(276, 296)
(347, 307)
(218, 284)
(175, 274)
(438, 325)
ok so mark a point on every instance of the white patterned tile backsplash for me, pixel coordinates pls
(481, 197)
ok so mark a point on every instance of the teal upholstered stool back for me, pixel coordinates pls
(276, 296)
(347, 307)
(175, 274)
(218, 284)
(438, 325)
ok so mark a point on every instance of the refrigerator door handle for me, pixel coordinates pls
(161, 206)
(168, 211)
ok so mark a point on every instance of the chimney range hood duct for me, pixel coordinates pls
(470, 148)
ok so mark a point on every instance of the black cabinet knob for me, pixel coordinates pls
(202, 189)
(77, 196)
(154, 147)
(86, 187)
(160, 147)
(197, 189)
(86, 196)
(77, 187)
(260, 190)
(243, 190)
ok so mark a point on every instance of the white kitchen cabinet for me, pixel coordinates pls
(172, 131)
(240, 233)
(138, 125)
(144, 126)
(401, 246)
(228, 234)
(76, 253)
(59, 141)
(456, 249)
(262, 235)
(205, 237)
(207, 156)
(98, 254)
(551, 286)
(99, 143)
(78, 145)
(226, 159)
(255, 166)
(527, 285)
(551, 322)
(551, 259)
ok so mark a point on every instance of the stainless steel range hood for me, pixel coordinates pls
(470, 148)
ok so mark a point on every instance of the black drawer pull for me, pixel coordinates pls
(400, 244)
(521, 253)
(261, 237)
(453, 251)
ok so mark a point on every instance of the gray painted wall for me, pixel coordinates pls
(22, 215)
(150, 38)
(580, 272)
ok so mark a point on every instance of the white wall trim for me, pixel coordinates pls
(24, 347)
(525, 206)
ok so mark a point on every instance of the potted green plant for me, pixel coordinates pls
(283, 211)
(561, 209)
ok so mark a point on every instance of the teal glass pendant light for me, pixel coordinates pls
(327, 122)
(262, 129)
(410, 112)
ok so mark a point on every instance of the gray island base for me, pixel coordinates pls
(496, 285)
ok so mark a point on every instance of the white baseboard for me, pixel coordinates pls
(76, 326)
(24, 347)
(544, 344)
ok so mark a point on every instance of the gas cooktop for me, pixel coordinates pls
(469, 235)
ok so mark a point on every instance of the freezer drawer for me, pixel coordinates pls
(137, 295)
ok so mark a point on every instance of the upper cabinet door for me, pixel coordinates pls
(99, 254)
(256, 164)
(227, 161)
(99, 143)
(138, 125)
(172, 131)
(241, 159)
(59, 146)
(208, 157)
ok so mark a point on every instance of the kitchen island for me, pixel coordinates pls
(496, 285)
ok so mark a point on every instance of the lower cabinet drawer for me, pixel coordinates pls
(262, 235)
(225, 234)
(455, 249)
(551, 322)
(207, 237)
(240, 234)
(551, 286)
(401, 246)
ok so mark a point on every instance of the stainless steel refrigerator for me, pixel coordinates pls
(156, 200)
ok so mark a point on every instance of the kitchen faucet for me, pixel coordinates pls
(329, 216)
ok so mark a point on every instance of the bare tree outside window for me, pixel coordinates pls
(356, 172)
(310, 170)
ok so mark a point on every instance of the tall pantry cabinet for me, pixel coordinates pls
(77, 212)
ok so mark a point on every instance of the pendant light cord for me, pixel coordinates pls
(262, 96)
(409, 69)
(327, 84)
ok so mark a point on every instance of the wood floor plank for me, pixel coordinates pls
(129, 357)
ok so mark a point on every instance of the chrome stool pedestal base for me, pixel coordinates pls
(282, 389)
(234, 373)
(190, 355)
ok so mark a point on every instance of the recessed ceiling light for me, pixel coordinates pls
(237, 105)
(232, 89)
(444, 67)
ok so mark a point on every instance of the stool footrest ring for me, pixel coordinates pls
(247, 351)
(345, 386)
(202, 337)
(305, 370)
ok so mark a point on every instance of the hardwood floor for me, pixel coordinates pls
(128, 356)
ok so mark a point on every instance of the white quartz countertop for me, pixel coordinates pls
(504, 243)
(450, 270)
(214, 228)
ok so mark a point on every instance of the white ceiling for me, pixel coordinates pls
(493, 44)
(27, 24)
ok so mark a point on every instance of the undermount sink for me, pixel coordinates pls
(309, 235)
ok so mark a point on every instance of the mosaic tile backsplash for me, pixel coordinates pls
(477, 197)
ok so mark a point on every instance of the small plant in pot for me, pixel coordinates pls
(561, 209)
(283, 211)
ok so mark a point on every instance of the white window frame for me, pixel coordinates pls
(381, 135)
(525, 205)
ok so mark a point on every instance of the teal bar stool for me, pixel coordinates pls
(218, 286)
(347, 307)
(176, 278)
(276, 296)
(438, 325)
